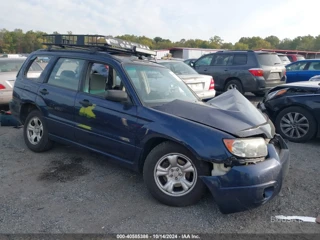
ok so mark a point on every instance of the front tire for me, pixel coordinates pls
(35, 133)
(296, 124)
(171, 174)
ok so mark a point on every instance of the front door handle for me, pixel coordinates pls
(44, 91)
(205, 70)
(85, 103)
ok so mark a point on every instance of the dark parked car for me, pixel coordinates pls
(295, 110)
(295, 57)
(151, 122)
(247, 71)
(302, 70)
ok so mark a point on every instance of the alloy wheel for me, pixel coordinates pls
(175, 174)
(34, 130)
(294, 125)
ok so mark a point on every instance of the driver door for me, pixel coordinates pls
(101, 124)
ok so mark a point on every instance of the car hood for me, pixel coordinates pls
(230, 112)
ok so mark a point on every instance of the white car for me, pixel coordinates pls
(202, 85)
(315, 78)
(9, 68)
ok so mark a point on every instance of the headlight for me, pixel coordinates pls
(276, 93)
(247, 147)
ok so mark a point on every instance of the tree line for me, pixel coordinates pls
(17, 41)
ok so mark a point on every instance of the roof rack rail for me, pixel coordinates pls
(98, 42)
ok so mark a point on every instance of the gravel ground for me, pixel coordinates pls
(70, 190)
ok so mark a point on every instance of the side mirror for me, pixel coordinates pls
(116, 95)
(192, 64)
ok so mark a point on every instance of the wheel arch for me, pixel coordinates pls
(155, 141)
(26, 108)
(230, 79)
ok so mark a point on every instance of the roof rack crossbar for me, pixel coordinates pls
(99, 42)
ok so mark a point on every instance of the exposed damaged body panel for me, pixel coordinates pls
(230, 112)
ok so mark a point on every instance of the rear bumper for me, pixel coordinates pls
(250, 186)
(206, 94)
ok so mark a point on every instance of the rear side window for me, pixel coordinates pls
(66, 73)
(239, 59)
(34, 70)
(267, 59)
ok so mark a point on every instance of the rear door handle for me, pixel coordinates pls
(85, 103)
(205, 70)
(44, 91)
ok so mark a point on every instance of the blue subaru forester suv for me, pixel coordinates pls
(143, 116)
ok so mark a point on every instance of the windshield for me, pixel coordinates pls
(267, 59)
(157, 85)
(179, 68)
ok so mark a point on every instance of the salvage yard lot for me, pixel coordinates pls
(72, 190)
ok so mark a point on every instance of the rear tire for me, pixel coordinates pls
(175, 182)
(234, 84)
(35, 132)
(296, 124)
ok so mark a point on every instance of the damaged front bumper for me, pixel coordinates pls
(248, 186)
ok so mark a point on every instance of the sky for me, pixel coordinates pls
(169, 19)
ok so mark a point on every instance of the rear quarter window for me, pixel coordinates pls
(36, 67)
(239, 59)
(266, 59)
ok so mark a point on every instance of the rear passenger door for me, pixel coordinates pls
(57, 94)
(221, 69)
(105, 125)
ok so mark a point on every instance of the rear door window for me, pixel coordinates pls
(267, 59)
(66, 73)
(221, 60)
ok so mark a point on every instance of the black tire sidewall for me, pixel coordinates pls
(44, 143)
(307, 114)
(236, 82)
(190, 198)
